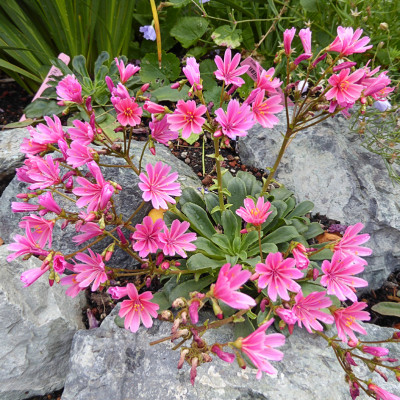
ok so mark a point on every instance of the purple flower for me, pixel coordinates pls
(148, 32)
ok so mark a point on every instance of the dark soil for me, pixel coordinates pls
(52, 396)
(13, 100)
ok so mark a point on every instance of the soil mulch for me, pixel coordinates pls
(13, 99)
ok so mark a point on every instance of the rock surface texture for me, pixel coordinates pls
(327, 165)
(10, 156)
(113, 363)
(37, 325)
(126, 202)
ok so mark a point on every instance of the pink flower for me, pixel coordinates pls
(82, 133)
(146, 236)
(176, 240)
(17, 206)
(263, 111)
(137, 309)
(344, 89)
(305, 37)
(74, 288)
(92, 270)
(260, 348)
(227, 71)
(158, 186)
(288, 36)
(236, 121)
(299, 254)
(382, 394)
(194, 310)
(160, 131)
(192, 71)
(42, 229)
(119, 93)
(48, 203)
(32, 275)
(187, 117)
(45, 174)
(345, 320)
(90, 230)
(349, 244)
(338, 276)
(95, 195)
(343, 65)
(288, 316)
(378, 87)
(223, 355)
(118, 292)
(24, 245)
(153, 108)
(50, 133)
(29, 146)
(69, 89)
(228, 282)
(79, 154)
(307, 310)
(375, 351)
(347, 42)
(59, 263)
(278, 275)
(128, 112)
(266, 81)
(254, 214)
(125, 73)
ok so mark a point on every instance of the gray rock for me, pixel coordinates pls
(10, 156)
(37, 325)
(112, 363)
(126, 202)
(327, 165)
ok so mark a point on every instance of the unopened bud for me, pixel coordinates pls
(193, 370)
(145, 87)
(179, 302)
(350, 359)
(198, 340)
(148, 282)
(315, 274)
(165, 265)
(184, 317)
(89, 104)
(384, 26)
(240, 361)
(166, 315)
(206, 357)
(263, 304)
(182, 358)
(175, 85)
(121, 236)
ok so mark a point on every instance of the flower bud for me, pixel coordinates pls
(166, 315)
(164, 265)
(223, 355)
(121, 236)
(375, 351)
(148, 282)
(182, 358)
(145, 87)
(175, 85)
(93, 323)
(350, 359)
(193, 370)
(194, 311)
(384, 26)
(217, 309)
(89, 104)
(179, 302)
(263, 304)
(197, 339)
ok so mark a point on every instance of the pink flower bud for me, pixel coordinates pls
(153, 150)
(320, 58)
(110, 83)
(288, 36)
(175, 85)
(89, 104)
(22, 196)
(375, 351)
(255, 276)
(160, 258)
(302, 57)
(69, 184)
(199, 341)
(223, 355)
(93, 323)
(121, 236)
(193, 311)
(363, 100)
(148, 282)
(218, 133)
(199, 87)
(193, 370)
(396, 335)
(165, 265)
(182, 358)
(117, 292)
(243, 231)
(232, 89)
(263, 304)
(343, 65)
(354, 390)
(315, 274)
(145, 87)
(350, 359)
(64, 224)
(92, 122)
(383, 375)
(153, 108)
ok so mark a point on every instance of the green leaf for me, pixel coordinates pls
(243, 329)
(150, 71)
(387, 308)
(101, 59)
(325, 254)
(120, 322)
(314, 229)
(79, 65)
(14, 68)
(237, 188)
(301, 209)
(207, 68)
(227, 36)
(179, 3)
(20, 124)
(208, 247)
(194, 137)
(230, 225)
(190, 195)
(291, 202)
(249, 239)
(183, 289)
(41, 107)
(198, 219)
(162, 300)
(222, 241)
(165, 93)
(212, 201)
(282, 234)
(253, 186)
(266, 248)
(188, 30)
(309, 5)
(281, 193)
(201, 262)
(300, 226)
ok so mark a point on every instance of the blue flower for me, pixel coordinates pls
(148, 32)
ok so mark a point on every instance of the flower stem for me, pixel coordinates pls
(219, 174)
(142, 154)
(259, 242)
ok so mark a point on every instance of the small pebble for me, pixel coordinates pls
(184, 154)
(187, 160)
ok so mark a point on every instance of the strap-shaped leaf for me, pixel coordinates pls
(212, 201)
(282, 234)
(314, 229)
(201, 262)
(301, 209)
(198, 219)
(183, 289)
(190, 195)
(208, 247)
(230, 225)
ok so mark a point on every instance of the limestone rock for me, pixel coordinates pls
(112, 363)
(37, 325)
(126, 202)
(327, 165)
(10, 156)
